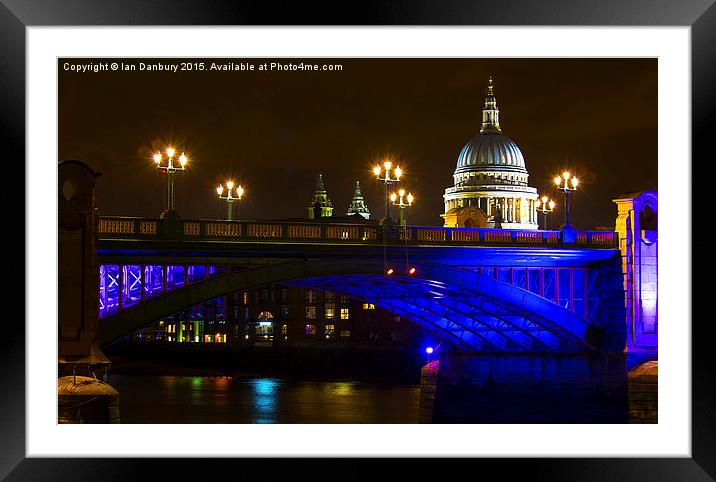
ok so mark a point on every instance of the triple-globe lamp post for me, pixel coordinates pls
(402, 201)
(545, 206)
(566, 183)
(387, 179)
(170, 168)
(229, 197)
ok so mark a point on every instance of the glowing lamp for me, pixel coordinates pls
(220, 189)
(393, 197)
(240, 191)
(401, 192)
(376, 170)
(558, 180)
(429, 350)
(544, 199)
(387, 165)
(410, 199)
(170, 151)
(389, 271)
(183, 160)
(229, 185)
(398, 172)
(157, 158)
(575, 181)
(411, 271)
(565, 175)
(551, 204)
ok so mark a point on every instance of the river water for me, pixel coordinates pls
(196, 399)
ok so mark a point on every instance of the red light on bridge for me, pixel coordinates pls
(411, 271)
(389, 271)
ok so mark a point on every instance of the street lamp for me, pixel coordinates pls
(545, 206)
(230, 198)
(563, 184)
(170, 168)
(401, 198)
(388, 180)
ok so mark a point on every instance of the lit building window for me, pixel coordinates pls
(345, 313)
(310, 329)
(345, 333)
(368, 306)
(246, 297)
(265, 325)
(161, 322)
(330, 311)
(310, 312)
(284, 329)
(330, 329)
(310, 296)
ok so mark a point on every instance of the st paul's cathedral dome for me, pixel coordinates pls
(491, 177)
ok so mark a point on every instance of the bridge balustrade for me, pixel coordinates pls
(111, 227)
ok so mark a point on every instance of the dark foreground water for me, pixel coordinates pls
(187, 399)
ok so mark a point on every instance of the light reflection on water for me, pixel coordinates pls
(265, 399)
(168, 399)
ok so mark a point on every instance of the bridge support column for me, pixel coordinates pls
(82, 366)
(428, 387)
(636, 224)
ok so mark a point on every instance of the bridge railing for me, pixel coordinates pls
(116, 227)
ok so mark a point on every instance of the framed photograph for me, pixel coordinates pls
(422, 231)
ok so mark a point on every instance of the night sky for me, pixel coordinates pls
(273, 132)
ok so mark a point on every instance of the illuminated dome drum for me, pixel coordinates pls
(490, 180)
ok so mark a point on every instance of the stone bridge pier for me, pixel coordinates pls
(83, 395)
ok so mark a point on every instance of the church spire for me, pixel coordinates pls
(320, 201)
(490, 112)
(358, 205)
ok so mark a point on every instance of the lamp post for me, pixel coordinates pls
(401, 198)
(388, 180)
(170, 168)
(563, 184)
(545, 206)
(230, 198)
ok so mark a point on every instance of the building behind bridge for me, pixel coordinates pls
(285, 316)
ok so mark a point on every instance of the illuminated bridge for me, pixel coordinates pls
(487, 290)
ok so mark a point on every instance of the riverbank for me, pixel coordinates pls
(303, 363)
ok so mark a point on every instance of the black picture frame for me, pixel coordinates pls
(700, 15)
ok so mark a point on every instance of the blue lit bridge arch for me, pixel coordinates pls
(472, 310)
